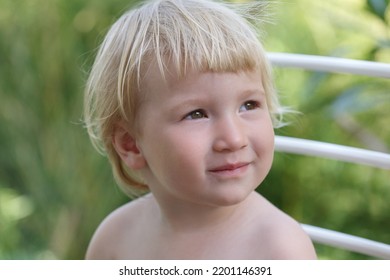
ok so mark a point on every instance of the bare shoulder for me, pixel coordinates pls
(283, 237)
(117, 230)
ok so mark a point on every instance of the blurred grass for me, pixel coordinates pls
(55, 189)
(46, 157)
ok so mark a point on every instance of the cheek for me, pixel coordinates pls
(270, 147)
(271, 141)
(174, 168)
(172, 151)
(265, 142)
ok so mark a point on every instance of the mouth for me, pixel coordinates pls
(234, 169)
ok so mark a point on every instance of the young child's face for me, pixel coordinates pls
(207, 138)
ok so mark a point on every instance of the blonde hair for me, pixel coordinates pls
(200, 35)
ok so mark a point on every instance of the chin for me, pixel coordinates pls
(232, 198)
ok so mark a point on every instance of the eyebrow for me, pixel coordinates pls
(200, 102)
(186, 104)
(254, 91)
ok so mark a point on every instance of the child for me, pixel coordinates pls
(181, 99)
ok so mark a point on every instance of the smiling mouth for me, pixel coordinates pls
(230, 169)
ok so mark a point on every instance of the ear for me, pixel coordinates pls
(126, 147)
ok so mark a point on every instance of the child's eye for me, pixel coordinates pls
(249, 105)
(196, 114)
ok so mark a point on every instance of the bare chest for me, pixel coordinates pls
(206, 246)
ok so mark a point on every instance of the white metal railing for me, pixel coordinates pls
(334, 151)
(348, 242)
(331, 64)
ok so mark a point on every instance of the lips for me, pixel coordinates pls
(229, 167)
(233, 169)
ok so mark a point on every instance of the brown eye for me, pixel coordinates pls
(250, 105)
(197, 114)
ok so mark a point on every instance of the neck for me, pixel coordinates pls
(185, 217)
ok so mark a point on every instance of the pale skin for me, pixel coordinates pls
(205, 144)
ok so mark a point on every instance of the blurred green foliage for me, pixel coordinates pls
(55, 189)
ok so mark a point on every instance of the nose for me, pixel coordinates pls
(229, 135)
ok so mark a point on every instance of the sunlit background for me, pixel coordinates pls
(55, 189)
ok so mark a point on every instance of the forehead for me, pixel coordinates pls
(158, 85)
(171, 77)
